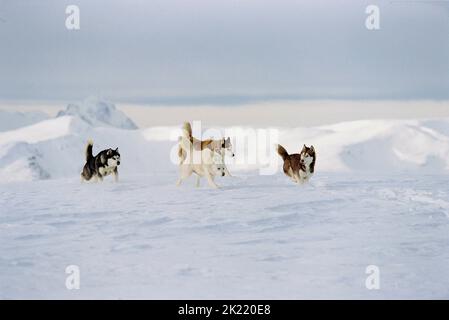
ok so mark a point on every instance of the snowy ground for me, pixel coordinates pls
(379, 197)
(257, 237)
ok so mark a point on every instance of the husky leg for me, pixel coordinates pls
(184, 173)
(304, 180)
(180, 179)
(211, 181)
(198, 181)
(115, 175)
(292, 175)
(227, 173)
(297, 178)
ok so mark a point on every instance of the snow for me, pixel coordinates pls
(97, 112)
(13, 120)
(56, 147)
(258, 237)
(379, 197)
(378, 145)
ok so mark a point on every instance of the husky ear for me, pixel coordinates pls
(312, 148)
(304, 148)
(228, 139)
(116, 149)
(109, 152)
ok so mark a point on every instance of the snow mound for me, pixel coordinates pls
(13, 120)
(55, 149)
(33, 152)
(22, 163)
(42, 131)
(377, 145)
(99, 113)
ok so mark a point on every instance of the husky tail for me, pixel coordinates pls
(185, 141)
(187, 130)
(185, 145)
(282, 152)
(89, 147)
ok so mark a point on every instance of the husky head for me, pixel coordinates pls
(308, 156)
(113, 158)
(226, 146)
(219, 167)
(220, 170)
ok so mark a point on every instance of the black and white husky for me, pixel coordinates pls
(103, 164)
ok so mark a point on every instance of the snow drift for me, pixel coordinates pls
(54, 148)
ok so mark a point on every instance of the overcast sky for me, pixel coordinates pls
(170, 50)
